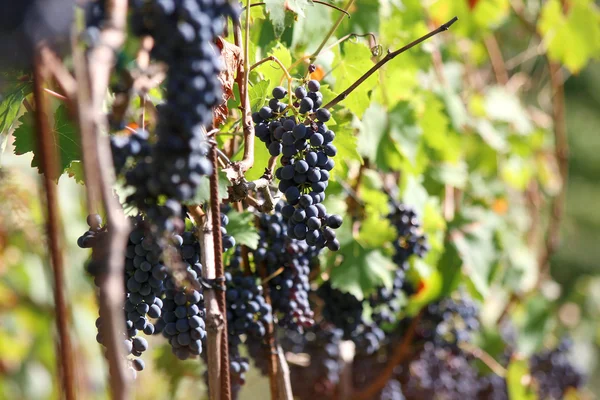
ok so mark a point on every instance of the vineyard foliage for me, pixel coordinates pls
(427, 204)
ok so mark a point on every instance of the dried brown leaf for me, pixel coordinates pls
(232, 60)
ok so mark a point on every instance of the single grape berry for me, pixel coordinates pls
(323, 115)
(314, 85)
(279, 92)
(265, 112)
(300, 92)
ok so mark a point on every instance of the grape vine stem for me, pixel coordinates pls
(214, 317)
(314, 1)
(215, 215)
(100, 173)
(53, 229)
(389, 56)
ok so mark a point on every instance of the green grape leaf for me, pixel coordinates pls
(174, 369)
(404, 130)
(572, 39)
(271, 71)
(66, 137)
(351, 65)
(241, 227)
(11, 99)
(203, 191)
(75, 171)
(258, 94)
(517, 376)
(362, 270)
(261, 159)
(276, 11)
(376, 230)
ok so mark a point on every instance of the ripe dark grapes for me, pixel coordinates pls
(554, 372)
(342, 309)
(322, 344)
(304, 175)
(143, 280)
(183, 34)
(288, 288)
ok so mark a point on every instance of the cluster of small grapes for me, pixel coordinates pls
(554, 373)
(342, 309)
(132, 147)
(182, 321)
(144, 275)
(304, 175)
(439, 372)
(247, 311)
(183, 33)
(288, 288)
(386, 303)
(322, 344)
(450, 321)
(410, 238)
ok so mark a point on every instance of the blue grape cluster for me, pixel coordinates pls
(410, 240)
(247, 311)
(321, 378)
(288, 288)
(306, 145)
(183, 32)
(144, 276)
(342, 309)
(450, 321)
(129, 148)
(440, 373)
(183, 320)
(554, 373)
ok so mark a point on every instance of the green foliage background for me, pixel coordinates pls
(438, 126)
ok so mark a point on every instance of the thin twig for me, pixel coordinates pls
(242, 80)
(561, 152)
(487, 359)
(493, 49)
(60, 73)
(397, 357)
(314, 1)
(53, 229)
(331, 32)
(219, 273)
(102, 59)
(386, 59)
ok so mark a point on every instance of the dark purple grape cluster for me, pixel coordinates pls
(554, 373)
(410, 238)
(288, 288)
(387, 302)
(133, 147)
(247, 310)
(307, 147)
(183, 320)
(184, 33)
(440, 373)
(318, 380)
(450, 321)
(342, 309)
(144, 276)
